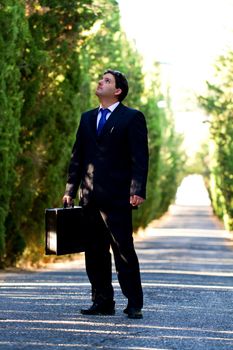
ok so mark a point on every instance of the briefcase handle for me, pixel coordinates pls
(65, 205)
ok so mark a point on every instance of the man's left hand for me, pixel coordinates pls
(136, 200)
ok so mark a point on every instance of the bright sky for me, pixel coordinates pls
(185, 36)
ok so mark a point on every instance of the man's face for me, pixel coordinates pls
(106, 87)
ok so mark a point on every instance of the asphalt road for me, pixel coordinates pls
(186, 263)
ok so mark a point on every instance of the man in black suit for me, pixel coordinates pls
(109, 165)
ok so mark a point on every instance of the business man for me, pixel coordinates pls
(109, 165)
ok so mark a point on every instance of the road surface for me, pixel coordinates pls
(186, 263)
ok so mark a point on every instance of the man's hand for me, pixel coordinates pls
(68, 200)
(136, 200)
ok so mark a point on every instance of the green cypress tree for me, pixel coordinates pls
(12, 38)
(50, 79)
(68, 45)
(218, 104)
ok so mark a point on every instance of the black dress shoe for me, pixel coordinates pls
(133, 312)
(103, 308)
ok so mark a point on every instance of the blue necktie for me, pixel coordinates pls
(102, 120)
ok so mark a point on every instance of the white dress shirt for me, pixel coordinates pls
(111, 109)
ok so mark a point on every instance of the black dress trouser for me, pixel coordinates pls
(112, 228)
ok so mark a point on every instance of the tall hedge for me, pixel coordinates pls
(54, 53)
(12, 40)
(50, 85)
(167, 158)
(218, 103)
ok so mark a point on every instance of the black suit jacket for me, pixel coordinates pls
(110, 167)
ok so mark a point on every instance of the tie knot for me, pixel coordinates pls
(104, 111)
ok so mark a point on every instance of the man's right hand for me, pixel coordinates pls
(68, 200)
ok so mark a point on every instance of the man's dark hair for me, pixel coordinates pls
(121, 82)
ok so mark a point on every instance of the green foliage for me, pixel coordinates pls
(166, 167)
(198, 164)
(50, 84)
(11, 43)
(219, 104)
(172, 163)
(50, 65)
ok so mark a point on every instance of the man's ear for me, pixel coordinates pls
(118, 92)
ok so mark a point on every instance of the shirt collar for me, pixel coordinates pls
(112, 107)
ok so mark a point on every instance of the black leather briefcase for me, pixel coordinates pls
(65, 233)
